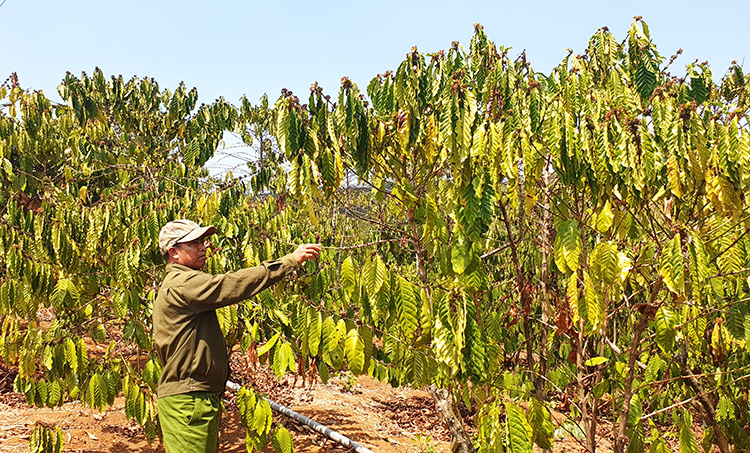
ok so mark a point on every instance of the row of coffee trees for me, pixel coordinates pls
(565, 254)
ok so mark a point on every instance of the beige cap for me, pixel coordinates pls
(182, 230)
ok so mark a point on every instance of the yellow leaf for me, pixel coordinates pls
(572, 296)
(604, 218)
(529, 200)
(310, 206)
(674, 176)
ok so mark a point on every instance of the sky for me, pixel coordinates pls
(235, 48)
(230, 48)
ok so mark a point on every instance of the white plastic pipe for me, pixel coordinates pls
(328, 432)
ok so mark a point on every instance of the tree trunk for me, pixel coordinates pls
(524, 290)
(707, 403)
(621, 439)
(544, 238)
(444, 404)
(589, 420)
(446, 408)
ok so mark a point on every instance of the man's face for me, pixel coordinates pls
(191, 254)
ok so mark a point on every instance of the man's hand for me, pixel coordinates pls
(306, 251)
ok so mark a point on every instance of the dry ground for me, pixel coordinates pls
(373, 414)
(370, 413)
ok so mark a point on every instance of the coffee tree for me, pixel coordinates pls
(86, 185)
(580, 233)
(556, 251)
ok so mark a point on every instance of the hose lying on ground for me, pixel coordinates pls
(331, 434)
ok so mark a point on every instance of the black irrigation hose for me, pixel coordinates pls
(322, 429)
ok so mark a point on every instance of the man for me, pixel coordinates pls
(187, 336)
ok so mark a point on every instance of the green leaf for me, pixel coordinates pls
(290, 357)
(94, 394)
(408, 309)
(698, 90)
(605, 263)
(246, 403)
(595, 308)
(314, 323)
(263, 417)
(672, 265)
(519, 429)
(227, 317)
(323, 372)
(724, 410)
(65, 294)
(58, 440)
(354, 350)
(698, 258)
(114, 385)
(131, 400)
(269, 344)
(635, 431)
(349, 274)
(29, 392)
(594, 361)
(71, 355)
(460, 258)
(568, 246)
(282, 441)
(42, 393)
(688, 443)
(666, 322)
(328, 335)
(191, 153)
(645, 78)
(280, 362)
(83, 355)
(55, 397)
(658, 446)
(540, 420)
(375, 274)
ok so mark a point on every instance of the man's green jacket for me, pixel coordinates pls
(187, 335)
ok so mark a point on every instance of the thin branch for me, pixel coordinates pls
(360, 246)
(366, 219)
(669, 408)
(495, 251)
(715, 258)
